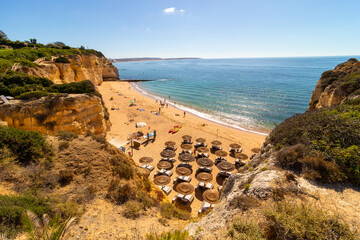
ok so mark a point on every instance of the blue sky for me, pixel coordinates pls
(190, 28)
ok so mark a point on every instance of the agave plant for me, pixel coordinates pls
(41, 229)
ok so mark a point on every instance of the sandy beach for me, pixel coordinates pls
(123, 124)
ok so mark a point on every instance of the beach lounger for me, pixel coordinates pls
(180, 179)
(147, 166)
(201, 144)
(185, 198)
(224, 174)
(166, 189)
(186, 142)
(205, 207)
(185, 151)
(202, 155)
(163, 172)
(204, 186)
(168, 159)
(170, 148)
(239, 163)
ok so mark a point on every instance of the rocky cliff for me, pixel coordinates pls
(78, 113)
(79, 67)
(336, 86)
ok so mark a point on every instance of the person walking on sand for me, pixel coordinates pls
(159, 110)
(184, 113)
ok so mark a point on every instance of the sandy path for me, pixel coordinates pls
(123, 124)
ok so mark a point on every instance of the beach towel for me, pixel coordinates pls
(175, 129)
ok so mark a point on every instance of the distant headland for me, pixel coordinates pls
(149, 59)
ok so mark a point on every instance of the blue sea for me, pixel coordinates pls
(249, 93)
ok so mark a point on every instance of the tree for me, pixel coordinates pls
(3, 36)
(33, 40)
(59, 44)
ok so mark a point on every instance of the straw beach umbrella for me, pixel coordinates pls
(221, 153)
(145, 160)
(168, 153)
(241, 156)
(185, 188)
(203, 149)
(255, 150)
(162, 180)
(186, 157)
(226, 166)
(205, 162)
(186, 146)
(186, 137)
(235, 145)
(204, 177)
(170, 143)
(201, 140)
(165, 165)
(211, 196)
(216, 143)
(183, 171)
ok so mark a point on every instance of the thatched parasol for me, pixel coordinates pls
(221, 153)
(204, 177)
(162, 180)
(255, 150)
(185, 188)
(226, 166)
(203, 149)
(235, 145)
(216, 142)
(168, 153)
(201, 140)
(241, 156)
(183, 171)
(205, 162)
(186, 157)
(186, 137)
(165, 165)
(211, 196)
(186, 146)
(170, 143)
(145, 160)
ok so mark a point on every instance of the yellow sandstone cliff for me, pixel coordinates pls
(81, 67)
(78, 113)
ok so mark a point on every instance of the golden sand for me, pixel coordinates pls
(123, 124)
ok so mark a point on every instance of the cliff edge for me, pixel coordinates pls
(336, 86)
(75, 68)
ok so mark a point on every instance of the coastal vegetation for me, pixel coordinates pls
(24, 86)
(291, 220)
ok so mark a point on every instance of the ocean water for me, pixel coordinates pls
(254, 94)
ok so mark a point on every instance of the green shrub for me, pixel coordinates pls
(321, 143)
(85, 86)
(66, 135)
(65, 177)
(145, 199)
(12, 208)
(242, 229)
(168, 210)
(176, 235)
(26, 146)
(286, 220)
(244, 202)
(32, 94)
(62, 59)
(99, 139)
(120, 192)
(133, 209)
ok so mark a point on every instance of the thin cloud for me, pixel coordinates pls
(172, 10)
(169, 10)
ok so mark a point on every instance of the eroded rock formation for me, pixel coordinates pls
(78, 113)
(336, 86)
(81, 67)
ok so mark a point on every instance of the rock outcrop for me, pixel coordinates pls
(80, 67)
(336, 86)
(78, 113)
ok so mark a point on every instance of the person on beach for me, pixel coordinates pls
(159, 110)
(184, 113)
(167, 105)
